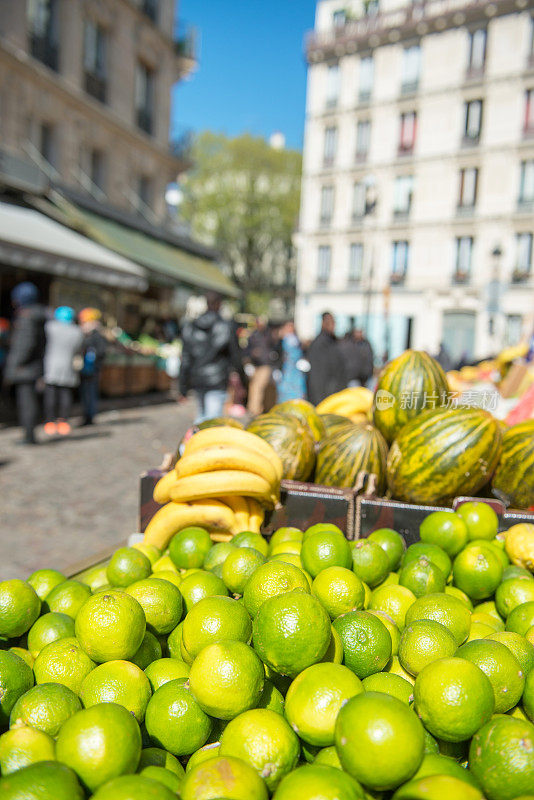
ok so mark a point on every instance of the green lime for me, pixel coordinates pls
(264, 740)
(95, 577)
(521, 618)
(127, 565)
(291, 631)
(392, 543)
(322, 527)
(270, 580)
(44, 580)
(501, 667)
(201, 584)
(149, 650)
(49, 628)
(165, 669)
(286, 534)
(487, 619)
(501, 757)
(379, 740)
(63, 661)
(422, 577)
(513, 571)
(436, 764)
(20, 747)
(254, 540)
(512, 593)
(455, 592)
(447, 530)
(520, 647)
(161, 601)
(45, 707)
(152, 552)
(162, 775)
(156, 757)
(239, 566)
(453, 697)
(314, 699)
(424, 641)
(189, 547)
(67, 598)
(444, 608)
(134, 787)
(174, 642)
(370, 562)
(328, 757)
(430, 551)
(324, 550)
(437, 787)
(393, 601)
(175, 721)
(16, 678)
(217, 555)
(117, 682)
(100, 743)
(271, 698)
(389, 683)
(339, 590)
(19, 607)
(214, 619)
(528, 696)
(110, 626)
(314, 781)
(223, 777)
(226, 679)
(26, 656)
(366, 642)
(481, 520)
(393, 631)
(46, 780)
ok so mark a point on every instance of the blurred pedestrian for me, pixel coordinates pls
(264, 356)
(443, 358)
(63, 343)
(292, 385)
(327, 370)
(210, 352)
(24, 364)
(93, 351)
(358, 357)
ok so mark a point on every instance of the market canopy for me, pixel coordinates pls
(32, 240)
(162, 259)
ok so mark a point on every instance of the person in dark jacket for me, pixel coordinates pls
(210, 352)
(93, 351)
(327, 370)
(24, 364)
(263, 352)
(358, 358)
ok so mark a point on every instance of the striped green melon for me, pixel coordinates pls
(291, 439)
(305, 412)
(346, 453)
(335, 423)
(409, 384)
(514, 475)
(442, 454)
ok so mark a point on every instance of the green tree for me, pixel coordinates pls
(242, 196)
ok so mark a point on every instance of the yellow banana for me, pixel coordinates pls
(221, 536)
(234, 437)
(239, 506)
(162, 488)
(357, 398)
(256, 515)
(226, 457)
(220, 483)
(172, 517)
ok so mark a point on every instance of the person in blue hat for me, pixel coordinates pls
(63, 343)
(24, 364)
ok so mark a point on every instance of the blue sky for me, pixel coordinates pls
(251, 75)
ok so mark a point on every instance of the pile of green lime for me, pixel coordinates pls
(306, 667)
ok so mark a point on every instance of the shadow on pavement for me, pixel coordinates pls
(77, 437)
(125, 421)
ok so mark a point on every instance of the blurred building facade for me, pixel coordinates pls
(417, 215)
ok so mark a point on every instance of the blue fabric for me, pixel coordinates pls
(64, 314)
(24, 294)
(292, 385)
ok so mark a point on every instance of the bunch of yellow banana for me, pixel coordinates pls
(222, 481)
(356, 403)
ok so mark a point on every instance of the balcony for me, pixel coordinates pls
(409, 87)
(470, 140)
(461, 277)
(520, 275)
(474, 74)
(397, 278)
(145, 120)
(321, 283)
(325, 221)
(465, 211)
(185, 48)
(364, 96)
(328, 161)
(405, 150)
(361, 156)
(96, 86)
(45, 51)
(525, 205)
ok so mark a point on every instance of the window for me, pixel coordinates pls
(402, 195)
(332, 85)
(97, 168)
(359, 198)
(330, 146)
(514, 329)
(399, 262)
(473, 121)
(529, 112)
(463, 257)
(477, 51)
(144, 191)
(531, 43)
(366, 78)
(144, 97)
(526, 182)
(94, 60)
(467, 194)
(355, 263)
(339, 18)
(411, 62)
(150, 8)
(363, 139)
(323, 264)
(408, 128)
(43, 24)
(327, 204)
(47, 144)
(524, 256)
(370, 8)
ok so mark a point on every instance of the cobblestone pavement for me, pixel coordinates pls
(69, 499)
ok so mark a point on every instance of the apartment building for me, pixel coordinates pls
(417, 215)
(85, 93)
